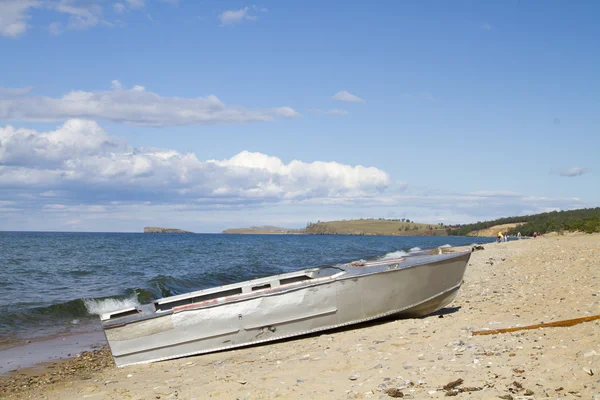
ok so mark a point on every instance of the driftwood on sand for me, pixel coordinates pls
(563, 323)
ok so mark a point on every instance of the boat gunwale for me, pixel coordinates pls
(301, 285)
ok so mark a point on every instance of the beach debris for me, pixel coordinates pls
(477, 247)
(354, 377)
(563, 323)
(453, 384)
(394, 392)
(242, 381)
(453, 388)
(588, 371)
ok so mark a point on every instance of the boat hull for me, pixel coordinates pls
(391, 291)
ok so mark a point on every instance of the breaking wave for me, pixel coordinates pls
(444, 246)
(103, 306)
(393, 255)
(415, 249)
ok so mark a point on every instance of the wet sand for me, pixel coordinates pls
(507, 285)
(34, 354)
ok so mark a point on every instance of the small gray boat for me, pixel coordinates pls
(283, 306)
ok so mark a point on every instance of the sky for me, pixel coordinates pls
(207, 115)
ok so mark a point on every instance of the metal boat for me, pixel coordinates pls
(282, 306)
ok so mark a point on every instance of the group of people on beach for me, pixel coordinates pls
(504, 237)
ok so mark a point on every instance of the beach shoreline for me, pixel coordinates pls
(506, 285)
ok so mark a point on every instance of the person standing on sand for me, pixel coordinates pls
(500, 237)
(519, 235)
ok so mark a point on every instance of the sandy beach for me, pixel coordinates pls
(506, 285)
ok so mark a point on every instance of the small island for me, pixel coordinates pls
(153, 229)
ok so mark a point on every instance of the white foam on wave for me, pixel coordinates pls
(415, 249)
(104, 306)
(444, 246)
(393, 255)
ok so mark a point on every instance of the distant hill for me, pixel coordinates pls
(383, 227)
(584, 220)
(493, 231)
(264, 230)
(154, 229)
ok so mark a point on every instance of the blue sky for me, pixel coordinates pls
(206, 115)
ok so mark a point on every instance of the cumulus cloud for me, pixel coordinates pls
(134, 106)
(572, 172)
(232, 17)
(347, 97)
(486, 27)
(79, 158)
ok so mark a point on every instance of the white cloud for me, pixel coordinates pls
(81, 14)
(135, 4)
(572, 172)
(347, 97)
(119, 8)
(134, 106)
(232, 17)
(14, 16)
(287, 112)
(486, 27)
(55, 28)
(79, 172)
(80, 159)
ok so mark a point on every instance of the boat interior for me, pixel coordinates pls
(255, 286)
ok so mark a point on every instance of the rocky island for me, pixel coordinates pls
(153, 229)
